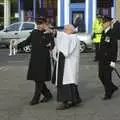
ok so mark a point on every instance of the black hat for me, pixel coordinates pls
(107, 19)
(41, 20)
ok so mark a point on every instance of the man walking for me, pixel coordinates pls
(67, 68)
(116, 30)
(39, 67)
(107, 58)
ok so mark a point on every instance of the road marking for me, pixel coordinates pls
(12, 61)
(4, 68)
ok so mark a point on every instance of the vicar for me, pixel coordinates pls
(67, 68)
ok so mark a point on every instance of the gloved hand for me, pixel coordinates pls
(54, 54)
(112, 64)
(48, 45)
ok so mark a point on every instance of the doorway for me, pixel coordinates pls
(75, 13)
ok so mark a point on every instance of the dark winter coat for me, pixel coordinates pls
(108, 47)
(39, 66)
(116, 30)
(80, 24)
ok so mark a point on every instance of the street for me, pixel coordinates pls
(16, 92)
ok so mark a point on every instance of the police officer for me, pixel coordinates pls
(97, 28)
(39, 67)
(107, 58)
(116, 29)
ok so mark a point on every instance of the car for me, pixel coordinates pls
(19, 31)
(85, 41)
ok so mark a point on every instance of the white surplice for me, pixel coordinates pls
(69, 45)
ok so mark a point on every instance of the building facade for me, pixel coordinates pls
(5, 4)
(117, 14)
(64, 11)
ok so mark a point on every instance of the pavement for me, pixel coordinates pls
(16, 92)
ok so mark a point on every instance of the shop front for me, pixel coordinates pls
(29, 10)
(62, 12)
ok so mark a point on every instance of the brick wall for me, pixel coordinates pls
(118, 9)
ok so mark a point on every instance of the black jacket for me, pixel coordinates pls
(116, 30)
(80, 24)
(108, 47)
(39, 66)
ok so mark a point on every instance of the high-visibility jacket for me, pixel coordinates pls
(97, 29)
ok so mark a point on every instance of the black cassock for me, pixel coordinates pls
(39, 65)
(107, 53)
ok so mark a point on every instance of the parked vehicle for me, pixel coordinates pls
(19, 30)
(85, 41)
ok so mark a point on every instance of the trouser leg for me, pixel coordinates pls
(47, 94)
(37, 93)
(78, 96)
(97, 45)
(45, 91)
(105, 76)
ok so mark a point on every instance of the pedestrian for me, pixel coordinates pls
(79, 23)
(116, 30)
(67, 68)
(97, 28)
(107, 58)
(39, 67)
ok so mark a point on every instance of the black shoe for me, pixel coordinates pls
(114, 90)
(34, 102)
(95, 60)
(35, 99)
(107, 97)
(63, 106)
(79, 101)
(46, 99)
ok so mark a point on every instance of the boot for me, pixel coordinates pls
(46, 99)
(36, 97)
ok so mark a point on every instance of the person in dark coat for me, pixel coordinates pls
(107, 58)
(79, 24)
(116, 28)
(116, 31)
(39, 66)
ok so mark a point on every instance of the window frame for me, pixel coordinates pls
(10, 30)
(25, 26)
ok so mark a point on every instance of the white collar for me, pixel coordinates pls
(107, 29)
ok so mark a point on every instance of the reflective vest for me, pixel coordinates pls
(97, 29)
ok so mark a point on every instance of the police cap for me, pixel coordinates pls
(107, 19)
(41, 20)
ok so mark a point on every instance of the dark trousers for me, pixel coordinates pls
(41, 88)
(105, 75)
(97, 47)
